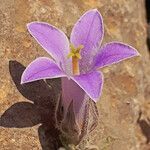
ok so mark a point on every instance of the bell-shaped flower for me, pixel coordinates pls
(76, 61)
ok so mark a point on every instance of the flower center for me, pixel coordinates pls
(75, 54)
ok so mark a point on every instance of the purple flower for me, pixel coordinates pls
(77, 61)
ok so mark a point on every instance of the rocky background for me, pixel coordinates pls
(27, 111)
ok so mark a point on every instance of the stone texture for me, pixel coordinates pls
(27, 111)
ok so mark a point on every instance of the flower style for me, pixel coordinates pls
(77, 61)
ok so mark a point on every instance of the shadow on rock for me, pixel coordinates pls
(145, 127)
(43, 96)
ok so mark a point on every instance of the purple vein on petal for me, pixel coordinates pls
(37, 73)
(91, 83)
(41, 68)
(112, 53)
(53, 40)
(88, 35)
(88, 31)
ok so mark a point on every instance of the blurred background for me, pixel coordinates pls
(27, 111)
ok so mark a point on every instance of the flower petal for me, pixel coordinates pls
(41, 68)
(53, 40)
(88, 31)
(113, 52)
(91, 83)
(71, 91)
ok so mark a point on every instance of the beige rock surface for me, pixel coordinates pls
(27, 111)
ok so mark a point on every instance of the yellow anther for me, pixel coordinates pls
(75, 54)
(70, 55)
(72, 48)
(78, 55)
(79, 48)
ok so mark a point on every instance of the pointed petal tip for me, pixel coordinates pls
(94, 10)
(29, 24)
(26, 81)
(96, 100)
(82, 81)
(23, 81)
(136, 53)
